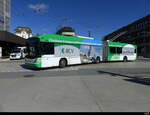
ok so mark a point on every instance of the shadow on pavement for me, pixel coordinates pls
(38, 69)
(29, 67)
(134, 79)
(143, 81)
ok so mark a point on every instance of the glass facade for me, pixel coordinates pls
(5, 14)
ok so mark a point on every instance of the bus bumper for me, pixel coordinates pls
(34, 63)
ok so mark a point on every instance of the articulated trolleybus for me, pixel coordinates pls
(49, 50)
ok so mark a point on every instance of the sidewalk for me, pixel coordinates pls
(4, 59)
(143, 58)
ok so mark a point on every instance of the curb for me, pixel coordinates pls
(2, 60)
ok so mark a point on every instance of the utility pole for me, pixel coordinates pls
(4, 12)
(89, 33)
(90, 48)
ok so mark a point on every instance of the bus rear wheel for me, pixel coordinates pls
(125, 59)
(63, 63)
(98, 60)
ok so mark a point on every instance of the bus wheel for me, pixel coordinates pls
(63, 63)
(98, 60)
(125, 59)
(93, 60)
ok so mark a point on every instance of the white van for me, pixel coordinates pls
(18, 53)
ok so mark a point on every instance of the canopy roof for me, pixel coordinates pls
(11, 38)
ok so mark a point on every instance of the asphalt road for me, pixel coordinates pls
(104, 87)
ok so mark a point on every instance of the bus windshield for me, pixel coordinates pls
(32, 48)
(16, 50)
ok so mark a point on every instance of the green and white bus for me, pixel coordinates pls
(115, 51)
(49, 50)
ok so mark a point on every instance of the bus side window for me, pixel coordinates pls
(135, 51)
(25, 50)
(119, 50)
(47, 48)
(113, 50)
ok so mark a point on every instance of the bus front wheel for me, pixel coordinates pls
(63, 63)
(98, 60)
(125, 59)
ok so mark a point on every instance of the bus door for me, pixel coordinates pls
(47, 54)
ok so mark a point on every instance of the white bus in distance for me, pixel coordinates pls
(18, 53)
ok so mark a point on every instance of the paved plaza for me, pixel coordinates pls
(104, 87)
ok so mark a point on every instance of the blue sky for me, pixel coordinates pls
(101, 17)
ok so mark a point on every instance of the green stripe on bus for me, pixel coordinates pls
(57, 38)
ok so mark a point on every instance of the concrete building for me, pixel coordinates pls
(137, 33)
(5, 15)
(66, 31)
(23, 32)
(7, 39)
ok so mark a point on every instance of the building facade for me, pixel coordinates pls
(137, 33)
(66, 31)
(23, 32)
(5, 9)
